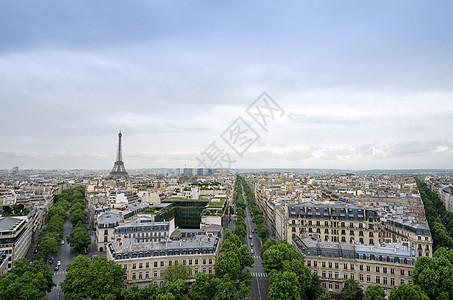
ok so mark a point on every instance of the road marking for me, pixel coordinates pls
(259, 274)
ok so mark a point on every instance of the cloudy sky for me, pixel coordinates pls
(363, 84)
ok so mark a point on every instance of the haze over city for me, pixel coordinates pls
(363, 85)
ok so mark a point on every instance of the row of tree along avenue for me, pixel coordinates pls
(262, 230)
(433, 207)
(79, 237)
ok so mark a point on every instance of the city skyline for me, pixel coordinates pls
(363, 85)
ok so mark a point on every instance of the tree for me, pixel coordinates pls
(303, 273)
(48, 246)
(324, 296)
(266, 245)
(434, 274)
(245, 258)
(79, 238)
(228, 264)
(232, 237)
(77, 206)
(407, 292)
(351, 290)
(175, 272)
(26, 281)
(7, 210)
(148, 292)
(316, 289)
(178, 289)
(263, 232)
(246, 276)
(226, 289)
(275, 255)
(97, 278)
(78, 216)
(374, 292)
(283, 285)
(202, 288)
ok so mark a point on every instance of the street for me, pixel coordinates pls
(66, 255)
(260, 280)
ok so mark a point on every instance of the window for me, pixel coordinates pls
(368, 268)
(210, 270)
(330, 274)
(162, 263)
(345, 276)
(330, 285)
(392, 281)
(361, 277)
(147, 275)
(371, 234)
(378, 269)
(351, 232)
(210, 261)
(140, 265)
(196, 261)
(336, 265)
(378, 280)
(402, 281)
(402, 272)
(326, 231)
(345, 266)
(196, 270)
(184, 262)
(204, 262)
(368, 278)
(190, 262)
(352, 275)
(392, 271)
(337, 275)
(361, 267)
(169, 262)
(323, 274)
(330, 264)
(155, 264)
(315, 263)
(385, 280)
(155, 274)
(308, 263)
(147, 265)
(125, 266)
(409, 273)
(134, 266)
(352, 267)
(133, 276)
(140, 275)
(361, 240)
(384, 270)
(204, 270)
(315, 272)
(337, 286)
(323, 264)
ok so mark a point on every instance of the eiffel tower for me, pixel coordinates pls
(118, 167)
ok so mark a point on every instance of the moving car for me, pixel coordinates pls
(250, 236)
(251, 244)
(62, 242)
(58, 263)
(56, 268)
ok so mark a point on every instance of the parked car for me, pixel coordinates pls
(50, 260)
(56, 268)
(58, 263)
(62, 242)
(251, 251)
(251, 245)
(250, 236)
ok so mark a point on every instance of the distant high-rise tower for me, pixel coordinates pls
(118, 167)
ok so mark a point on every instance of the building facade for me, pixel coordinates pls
(388, 265)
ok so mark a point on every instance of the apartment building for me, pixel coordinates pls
(145, 262)
(388, 265)
(15, 237)
(333, 222)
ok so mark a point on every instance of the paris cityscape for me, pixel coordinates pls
(226, 150)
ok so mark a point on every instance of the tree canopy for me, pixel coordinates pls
(407, 292)
(374, 292)
(79, 238)
(97, 278)
(351, 290)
